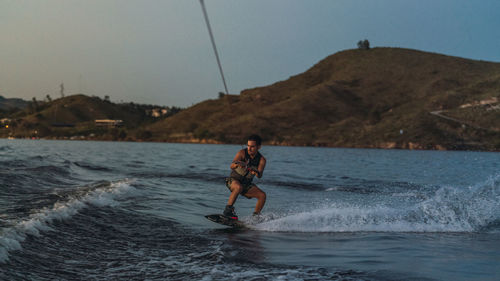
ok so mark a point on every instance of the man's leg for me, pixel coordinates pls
(256, 192)
(236, 189)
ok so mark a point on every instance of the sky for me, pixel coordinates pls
(159, 51)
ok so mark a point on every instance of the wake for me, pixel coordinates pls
(449, 209)
(41, 220)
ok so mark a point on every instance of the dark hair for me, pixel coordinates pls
(255, 138)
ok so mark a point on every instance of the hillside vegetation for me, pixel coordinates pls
(371, 98)
(382, 97)
(74, 117)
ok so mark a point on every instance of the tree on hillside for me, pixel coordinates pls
(364, 44)
(34, 105)
(62, 90)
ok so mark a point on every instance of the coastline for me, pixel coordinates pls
(381, 145)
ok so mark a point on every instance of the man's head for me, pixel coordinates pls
(255, 138)
(253, 144)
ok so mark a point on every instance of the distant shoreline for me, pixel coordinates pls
(387, 146)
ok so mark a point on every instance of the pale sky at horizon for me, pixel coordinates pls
(159, 51)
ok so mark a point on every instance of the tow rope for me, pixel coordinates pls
(213, 44)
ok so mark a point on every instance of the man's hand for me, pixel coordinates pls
(255, 172)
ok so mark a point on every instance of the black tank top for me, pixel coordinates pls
(254, 163)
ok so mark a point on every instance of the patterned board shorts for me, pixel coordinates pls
(246, 187)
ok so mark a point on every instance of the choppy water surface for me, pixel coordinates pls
(134, 211)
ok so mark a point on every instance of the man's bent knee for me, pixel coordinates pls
(261, 195)
(236, 186)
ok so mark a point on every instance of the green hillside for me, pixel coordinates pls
(74, 116)
(382, 97)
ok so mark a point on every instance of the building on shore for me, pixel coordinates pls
(108, 123)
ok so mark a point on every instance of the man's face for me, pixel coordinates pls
(252, 147)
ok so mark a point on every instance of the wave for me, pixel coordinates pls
(91, 167)
(343, 184)
(297, 185)
(18, 176)
(12, 164)
(41, 220)
(49, 171)
(6, 148)
(449, 209)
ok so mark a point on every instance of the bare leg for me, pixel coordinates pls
(236, 189)
(256, 192)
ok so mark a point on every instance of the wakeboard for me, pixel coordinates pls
(225, 220)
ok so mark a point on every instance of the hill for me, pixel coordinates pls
(382, 97)
(12, 104)
(76, 115)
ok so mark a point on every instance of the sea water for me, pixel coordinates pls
(72, 210)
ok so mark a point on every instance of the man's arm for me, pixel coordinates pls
(240, 157)
(262, 165)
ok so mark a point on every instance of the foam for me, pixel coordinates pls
(449, 209)
(41, 220)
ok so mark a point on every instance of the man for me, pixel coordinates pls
(246, 164)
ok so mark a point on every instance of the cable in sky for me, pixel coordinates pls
(213, 44)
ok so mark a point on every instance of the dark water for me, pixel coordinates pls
(134, 211)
